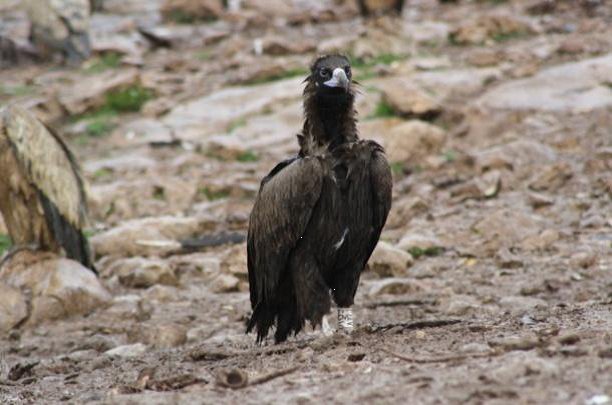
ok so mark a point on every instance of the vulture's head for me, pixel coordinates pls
(330, 78)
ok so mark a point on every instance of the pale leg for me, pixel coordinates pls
(345, 320)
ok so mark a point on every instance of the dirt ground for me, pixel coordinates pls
(503, 203)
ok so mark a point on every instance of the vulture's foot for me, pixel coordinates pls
(345, 320)
(326, 327)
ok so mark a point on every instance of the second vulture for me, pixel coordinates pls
(318, 215)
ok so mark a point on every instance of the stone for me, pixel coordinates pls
(489, 28)
(515, 154)
(551, 178)
(394, 286)
(420, 240)
(583, 260)
(427, 32)
(389, 261)
(130, 307)
(378, 7)
(60, 287)
(518, 305)
(87, 94)
(459, 305)
(277, 45)
(235, 261)
(517, 367)
(191, 10)
(139, 272)
(160, 336)
(133, 238)
(224, 283)
(571, 87)
(125, 351)
(13, 308)
(507, 227)
(542, 241)
(409, 100)
(511, 343)
(162, 293)
(412, 141)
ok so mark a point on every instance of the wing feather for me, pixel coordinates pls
(279, 218)
(47, 163)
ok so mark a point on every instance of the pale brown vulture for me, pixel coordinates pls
(42, 197)
(318, 215)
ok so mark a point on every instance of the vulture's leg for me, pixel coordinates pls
(326, 327)
(345, 320)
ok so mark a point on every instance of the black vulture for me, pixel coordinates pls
(318, 215)
(42, 194)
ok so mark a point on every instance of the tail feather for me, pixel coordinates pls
(71, 239)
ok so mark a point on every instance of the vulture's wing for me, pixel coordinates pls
(382, 185)
(279, 218)
(49, 166)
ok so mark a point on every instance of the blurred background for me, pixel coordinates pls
(497, 119)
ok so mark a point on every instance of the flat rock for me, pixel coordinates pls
(160, 336)
(389, 261)
(140, 272)
(191, 9)
(507, 227)
(420, 240)
(134, 350)
(572, 87)
(131, 237)
(394, 286)
(13, 307)
(60, 287)
(130, 306)
(409, 100)
(224, 283)
(459, 305)
(413, 141)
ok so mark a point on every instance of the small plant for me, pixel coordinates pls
(5, 243)
(17, 91)
(397, 168)
(110, 60)
(417, 252)
(103, 173)
(203, 55)
(450, 155)
(238, 123)
(213, 195)
(247, 156)
(382, 110)
(129, 99)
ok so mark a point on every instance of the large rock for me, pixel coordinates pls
(139, 272)
(572, 87)
(389, 261)
(60, 287)
(409, 100)
(13, 307)
(191, 10)
(161, 336)
(507, 227)
(413, 141)
(140, 237)
(394, 286)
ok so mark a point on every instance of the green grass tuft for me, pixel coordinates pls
(397, 168)
(248, 156)
(129, 99)
(383, 110)
(238, 123)
(213, 195)
(109, 60)
(16, 91)
(5, 243)
(417, 252)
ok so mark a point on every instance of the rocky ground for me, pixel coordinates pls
(493, 279)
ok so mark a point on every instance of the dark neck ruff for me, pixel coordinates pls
(329, 119)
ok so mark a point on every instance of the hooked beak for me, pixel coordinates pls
(338, 79)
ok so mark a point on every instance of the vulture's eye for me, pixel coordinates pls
(347, 70)
(325, 73)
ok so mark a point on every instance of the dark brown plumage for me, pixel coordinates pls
(319, 215)
(42, 196)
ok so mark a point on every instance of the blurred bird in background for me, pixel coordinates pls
(42, 193)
